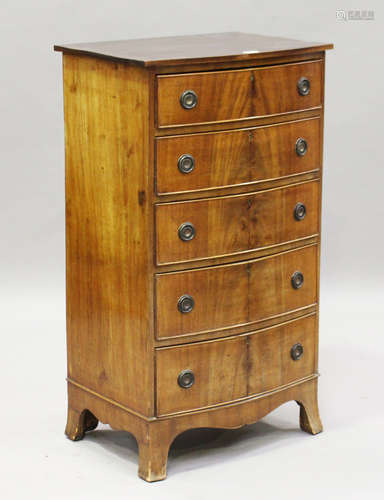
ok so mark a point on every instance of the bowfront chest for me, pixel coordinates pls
(193, 201)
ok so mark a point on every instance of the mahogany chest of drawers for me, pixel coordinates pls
(193, 195)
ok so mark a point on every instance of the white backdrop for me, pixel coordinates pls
(270, 459)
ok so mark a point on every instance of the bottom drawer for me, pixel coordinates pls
(207, 373)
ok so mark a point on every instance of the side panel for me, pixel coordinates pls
(108, 229)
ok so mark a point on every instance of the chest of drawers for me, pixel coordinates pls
(193, 195)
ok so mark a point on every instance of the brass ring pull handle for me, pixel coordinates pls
(303, 86)
(301, 147)
(188, 99)
(186, 163)
(297, 351)
(186, 379)
(300, 211)
(185, 304)
(187, 231)
(297, 280)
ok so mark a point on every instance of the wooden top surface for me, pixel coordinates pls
(214, 47)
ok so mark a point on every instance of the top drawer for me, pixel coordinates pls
(221, 96)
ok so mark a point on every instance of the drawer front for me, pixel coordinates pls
(214, 298)
(282, 355)
(221, 159)
(218, 369)
(203, 374)
(232, 95)
(235, 224)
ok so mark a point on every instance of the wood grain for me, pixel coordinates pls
(235, 224)
(248, 122)
(179, 50)
(220, 370)
(243, 156)
(269, 359)
(226, 370)
(259, 92)
(109, 253)
(154, 437)
(126, 266)
(235, 294)
(195, 65)
(278, 319)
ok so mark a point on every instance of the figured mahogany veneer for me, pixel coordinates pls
(235, 294)
(239, 157)
(262, 219)
(259, 92)
(212, 48)
(193, 197)
(235, 368)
